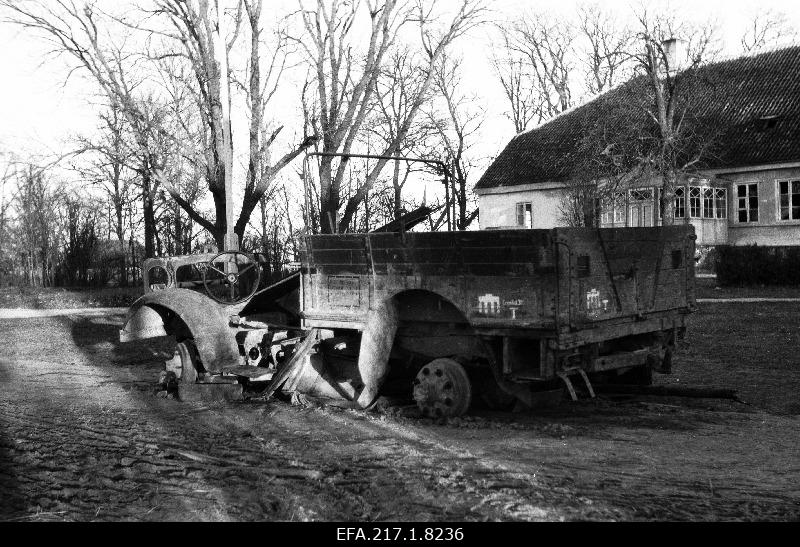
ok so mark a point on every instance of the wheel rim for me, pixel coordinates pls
(442, 389)
(231, 277)
(187, 353)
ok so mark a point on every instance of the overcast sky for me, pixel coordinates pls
(38, 113)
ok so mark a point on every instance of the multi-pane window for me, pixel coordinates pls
(695, 204)
(790, 199)
(704, 202)
(525, 214)
(619, 208)
(641, 194)
(607, 212)
(680, 202)
(747, 202)
(708, 203)
(613, 210)
(721, 202)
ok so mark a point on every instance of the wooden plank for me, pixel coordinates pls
(288, 372)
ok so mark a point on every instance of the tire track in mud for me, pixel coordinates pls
(82, 437)
(85, 457)
(705, 486)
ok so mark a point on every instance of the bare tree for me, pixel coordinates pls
(189, 31)
(396, 89)
(456, 132)
(606, 51)
(516, 79)
(4, 207)
(36, 214)
(345, 83)
(108, 171)
(679, 144)
(547, 46)
(539, 57)
(651, 126)
(767, 29)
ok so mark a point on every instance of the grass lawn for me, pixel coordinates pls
(748, 346)
(708, 288)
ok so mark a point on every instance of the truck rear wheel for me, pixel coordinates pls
(442, 389)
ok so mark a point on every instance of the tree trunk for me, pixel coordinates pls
(668, 198)
(123, 278)
(149, 215)
(398, 200)
(178, 244)
(328, 197)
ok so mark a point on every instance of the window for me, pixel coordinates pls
(607, 212)
(525, 214)
(790, 199)
(708, 203)
(680, 202)
(619, 208)
(747, 202)
(695, 204)
(613, 210)
(721, 202)
(641, 194)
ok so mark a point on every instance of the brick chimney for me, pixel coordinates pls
(675, 55)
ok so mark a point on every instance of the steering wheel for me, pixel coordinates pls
(230, 285)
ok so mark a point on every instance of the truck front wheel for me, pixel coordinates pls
(185, 363)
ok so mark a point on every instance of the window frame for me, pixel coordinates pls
(699, 198)
(613, 210)
(682, 198)
(680, 202)
(747, 197)
(708, 202)
(779, 207)
(721, 212)
(524, 207)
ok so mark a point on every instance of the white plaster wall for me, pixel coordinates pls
(743, 234)
(499, 210)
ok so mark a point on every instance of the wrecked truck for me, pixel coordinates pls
(499, 317)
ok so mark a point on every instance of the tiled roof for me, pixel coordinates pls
(753, 104)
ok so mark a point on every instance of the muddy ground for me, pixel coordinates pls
(84, 437)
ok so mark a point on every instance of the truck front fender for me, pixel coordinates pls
(155, 314)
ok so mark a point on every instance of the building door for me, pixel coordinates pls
(640, 214)
(640, 208)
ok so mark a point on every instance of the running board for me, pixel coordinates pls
(564, 375)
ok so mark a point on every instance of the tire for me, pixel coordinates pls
(185, 364)
(442, 389)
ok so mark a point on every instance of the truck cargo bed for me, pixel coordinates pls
(555, 282)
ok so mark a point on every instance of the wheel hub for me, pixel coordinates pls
(442, 389)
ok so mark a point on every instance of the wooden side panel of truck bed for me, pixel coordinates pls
(557, 280)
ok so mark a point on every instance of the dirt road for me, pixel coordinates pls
(84, 437)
